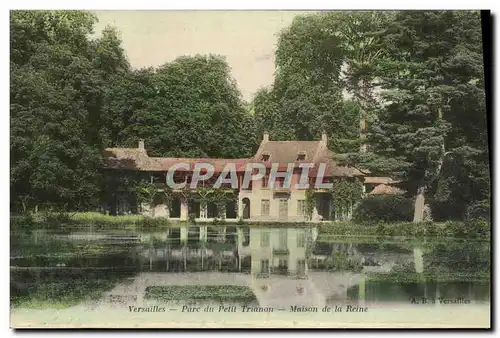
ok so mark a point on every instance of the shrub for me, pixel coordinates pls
(480, 227)
(479, 210)
(148, 223)
(56, 217)
(374, 209)
(24, 222)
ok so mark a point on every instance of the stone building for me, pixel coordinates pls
(257, 202)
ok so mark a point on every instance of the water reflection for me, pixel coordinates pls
(280, 266)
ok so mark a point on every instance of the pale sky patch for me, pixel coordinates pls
(246, 38)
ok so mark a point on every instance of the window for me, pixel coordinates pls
(264, 266)
(301, 267)
(301, 207)
(265, 208)
(264, 239)
(301, 239)
(283, 240)
(280, 182)
(301, 156)
(265, 157)
(363, 125)
(283, 266)
(265, 180)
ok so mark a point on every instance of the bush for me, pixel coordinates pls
(374, 209)
(23, 222)
(479, 210)
(148, 223)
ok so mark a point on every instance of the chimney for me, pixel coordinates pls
(324, 138)
(141, 145)
(266, 137)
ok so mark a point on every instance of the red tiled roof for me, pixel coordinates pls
(282, 152)
(380, 180)
(383, 189)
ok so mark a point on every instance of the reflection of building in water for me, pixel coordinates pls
(277, 250)
(259, 251)
(283, 266)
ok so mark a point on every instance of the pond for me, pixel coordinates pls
(266, 266)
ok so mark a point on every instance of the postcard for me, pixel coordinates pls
(234, 169)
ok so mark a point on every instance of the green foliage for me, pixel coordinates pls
(148, 223)
(220, 197)
(146, 192)
(479, 211)
(345, 194)
(374, 209)
(430, 126)
(72, 96)
(190, 107)
(306, 96)
(340, 261)
(219, 293)
(310, 202)
(478, 230)
(56, 85)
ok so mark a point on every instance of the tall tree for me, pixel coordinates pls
(59, 78)
(52, 102)
(192, 108)
(432, 113)
(306, 96)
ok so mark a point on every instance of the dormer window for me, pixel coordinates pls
(265, 157)
(301, 156)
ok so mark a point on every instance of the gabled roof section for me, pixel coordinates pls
(125, 158)
(282, 152)
(138, 159)
(383, 189)
(286, 151)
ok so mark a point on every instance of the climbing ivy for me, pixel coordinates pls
(310, 202)
(220, 197)
(146, 193)
(345, 194)
(168, 197)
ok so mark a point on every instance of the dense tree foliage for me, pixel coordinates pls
(431, 115)
(306, 96)
(55, 113)
(415, 77)
(72, 96)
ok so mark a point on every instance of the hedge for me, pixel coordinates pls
(373, 209)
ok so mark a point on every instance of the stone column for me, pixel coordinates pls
(362, 289)
(184, 234)
(240, 206)
(184, 209)
(203, 233)
(203, 211)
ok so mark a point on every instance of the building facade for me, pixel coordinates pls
(262, 200)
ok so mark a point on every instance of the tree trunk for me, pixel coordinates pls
(418, 215)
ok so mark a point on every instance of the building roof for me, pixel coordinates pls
(282, 152)
(380, 180)
(316, 152)
(384, 189)
(135, 159)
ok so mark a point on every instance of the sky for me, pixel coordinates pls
(246, 38)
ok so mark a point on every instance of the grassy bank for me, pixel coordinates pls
(61, 294)
(451, 229)
(98, 222)
(219, 293)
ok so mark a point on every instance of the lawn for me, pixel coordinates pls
(219, 293)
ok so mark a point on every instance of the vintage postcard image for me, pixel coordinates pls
(230, 169)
